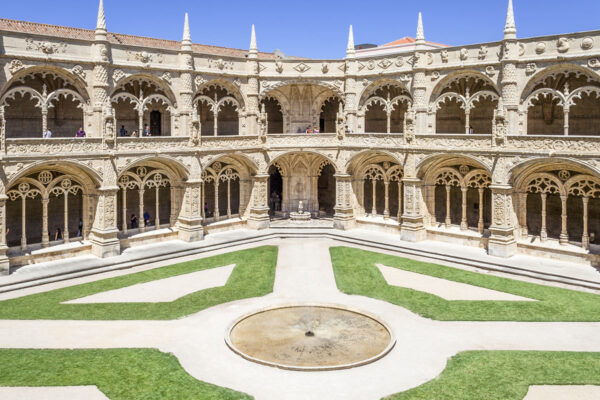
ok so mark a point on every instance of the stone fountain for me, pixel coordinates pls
(300, 215)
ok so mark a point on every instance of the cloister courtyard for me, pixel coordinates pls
(160, 330)
(186, 221)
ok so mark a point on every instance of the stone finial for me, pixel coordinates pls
(510, 29)
(350, 48)
(253, 51)
(420, 38)
(101, 23)
(186, 41)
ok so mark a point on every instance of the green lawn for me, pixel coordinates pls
(356, 273)
(121, 374)
(253, 276)
(505, 375)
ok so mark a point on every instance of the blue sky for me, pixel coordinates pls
(315, 29)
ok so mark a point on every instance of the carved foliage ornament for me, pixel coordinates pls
(78, 70)
(15, 66)
(587, 43)
(563, 45)
(46, 47)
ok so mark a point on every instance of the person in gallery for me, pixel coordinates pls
(80, 227)
(206, 210)
(146, 218)
(146, 131)
(471, 130)
(80, 133)
(134, 134)
(58, 234)
(47, 134)
(134, 221)
(123, 131)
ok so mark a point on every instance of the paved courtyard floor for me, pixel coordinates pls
(304, 275)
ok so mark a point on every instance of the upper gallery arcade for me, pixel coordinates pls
(494, 144)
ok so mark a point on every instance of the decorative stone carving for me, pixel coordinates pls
(429, 58)
(384, 64)
(118, 75)
(483, 52)
(15, 66)
(563, 45)
(46, 47)
(540, 48)
(78, 70)
(435, 75)
(144, 57)
(278, 66)
(399, 61)
(594, 63)
(587, 43)
(325, 68)
(444, 55)
(464, 54)
(302, 67)
(199, 81)
(521, 49)
(167, 78)
(490, 71)
(530, 68)
(220, 64)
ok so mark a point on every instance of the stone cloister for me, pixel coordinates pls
(493, 145)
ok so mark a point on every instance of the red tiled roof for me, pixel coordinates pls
(117, 38)
(409, 40)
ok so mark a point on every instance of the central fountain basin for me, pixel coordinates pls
(310, 337)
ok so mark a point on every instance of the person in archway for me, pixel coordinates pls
(47, 134)
(58, 234)
(146, 218)
(80, 228)
(134, 221)
(80, 133)
(146, 131)
(123, 131)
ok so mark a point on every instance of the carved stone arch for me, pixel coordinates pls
(370, 89)
(483, 94)
(539, 94)
(583, 186)
(558, 69)
(232, 89)
(520, 171)
(86, 176)
(373, 172)
(174, 169)
(447, 176)
(432, 163)
(577, 94)
(543, 183)
(449, 79)
(272, 86)
(323, 97)
(125, 96)
(33, 183)
(282, 158)
(244, 165)
(69, 77)
(149, 79)
(22, 90)
(57, 94)
(437, 104)
(395, 173)
(358, 160)
(478, 179)
(229, 100)
(160, 98)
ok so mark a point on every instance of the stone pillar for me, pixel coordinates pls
(104, 235)
(463, 219)
(344, 211)
(386, 209)
(412, 228)
(564, 234)
(4, 263)
(448, 220)
(189, 223)
(585, 238)
(45, 236)
(480, 224)
(509, 84)
(502, 241)
(543, 232)
(258, 217)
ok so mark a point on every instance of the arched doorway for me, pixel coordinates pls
(326, 191)
(275, 190)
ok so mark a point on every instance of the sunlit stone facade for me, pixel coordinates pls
(493, 145)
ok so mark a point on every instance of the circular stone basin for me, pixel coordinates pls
(310, 338)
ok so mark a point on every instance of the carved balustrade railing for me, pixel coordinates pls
(53, 146)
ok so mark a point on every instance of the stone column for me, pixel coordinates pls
(141, 220)
(23, 223)
(374, 205)
(66, 217)
(4, 263)
(216, 213)
(124, 208)
(344, 212)
(480, 224)
(228, 199)
(104, 235)
(509, 84)
(189, 223)
(523, 218)
(448, 220)
(157, 208)
(502, 241)
(585, 238)
(566, 121)
(412, 228)
(259, 203)
(543, 233)
(564, 234)
(463, 219)
(399, 201)
(386, 209)
(45, 236)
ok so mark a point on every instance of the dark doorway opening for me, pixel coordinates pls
(155, 123)
(275, 190)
